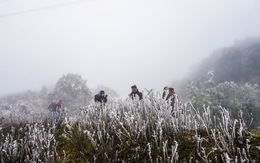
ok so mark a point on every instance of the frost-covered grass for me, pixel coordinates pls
(28, 143)
(132, 131)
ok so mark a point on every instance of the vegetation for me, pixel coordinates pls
(132, 131)
(237, 98)
(238, 63)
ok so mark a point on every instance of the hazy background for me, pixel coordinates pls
(116, 43)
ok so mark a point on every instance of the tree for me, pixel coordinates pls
(73, 90)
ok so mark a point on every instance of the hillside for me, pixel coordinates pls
(239, 63)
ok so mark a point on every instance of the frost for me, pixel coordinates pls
(126, 125)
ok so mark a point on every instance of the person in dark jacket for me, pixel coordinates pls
(101, 97)
(135, 93)
(52, 106)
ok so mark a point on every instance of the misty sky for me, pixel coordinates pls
(116, 43)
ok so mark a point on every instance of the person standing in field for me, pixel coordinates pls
(169, 95)
(135, 93)
(101, 97)
(59, 105)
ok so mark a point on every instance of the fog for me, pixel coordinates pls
(116, 43)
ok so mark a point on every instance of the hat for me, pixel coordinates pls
(168, 88)
(102, 91)
(134, 86)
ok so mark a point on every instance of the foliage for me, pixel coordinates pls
(133, 131)
(22, 142)
(234, 97)
(18, 107)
